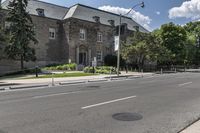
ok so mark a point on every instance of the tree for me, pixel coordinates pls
(174, 38)
(21, 32)
(138, 48)
(2, 33)
(164, 55)
(193, 31)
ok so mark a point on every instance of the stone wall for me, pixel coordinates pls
(47, 51)
(90, 43)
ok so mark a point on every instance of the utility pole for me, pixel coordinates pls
(119, 33)
(118, 53)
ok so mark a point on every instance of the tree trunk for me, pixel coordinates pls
(22, 62)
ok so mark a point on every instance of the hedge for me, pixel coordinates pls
(68, 67)
(100, 70)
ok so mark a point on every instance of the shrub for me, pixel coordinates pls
(100, 70)
(65, 67)
(72, 66)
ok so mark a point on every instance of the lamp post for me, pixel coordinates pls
(120, 22)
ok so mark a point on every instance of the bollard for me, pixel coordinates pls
(161, 71)
(175, 70)
(110, 74)
(142, 72)
(52, 82)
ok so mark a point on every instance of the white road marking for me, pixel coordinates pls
(103, 103)
(187, 83)
(57, 94)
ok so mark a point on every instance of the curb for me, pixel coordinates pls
(185, 128)
(112, 78)
(98, 80)
(28, 86)
(75, 82)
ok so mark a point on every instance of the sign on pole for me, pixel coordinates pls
(116, 43)
(94, 62)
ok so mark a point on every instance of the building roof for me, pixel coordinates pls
(87, 13)
(50, 10)
(78, 11)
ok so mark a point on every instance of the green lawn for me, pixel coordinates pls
(78, 74)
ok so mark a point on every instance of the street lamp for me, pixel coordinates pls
(120, 22)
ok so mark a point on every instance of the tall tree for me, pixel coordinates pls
(173, 37)
(139, 48)
(21, 31)
(193, 31)
(2, 33)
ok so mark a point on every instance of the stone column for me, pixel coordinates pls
(89, 56)
(77, 55)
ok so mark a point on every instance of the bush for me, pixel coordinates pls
(69, 67)
(110, 60)
(88, 70)
(100, 70)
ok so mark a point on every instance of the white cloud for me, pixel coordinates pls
(157, 12)
(136, 16)
(188, 9)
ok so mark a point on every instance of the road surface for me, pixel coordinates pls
(162, 104)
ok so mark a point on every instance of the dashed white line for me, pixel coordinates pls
(103, 103)
(187, 83)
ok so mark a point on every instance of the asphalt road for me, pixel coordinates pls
(166, 103)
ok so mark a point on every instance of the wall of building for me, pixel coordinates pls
(48, 51)
(90, 43)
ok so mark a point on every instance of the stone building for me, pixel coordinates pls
(76, 34)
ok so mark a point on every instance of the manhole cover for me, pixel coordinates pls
(127, 116)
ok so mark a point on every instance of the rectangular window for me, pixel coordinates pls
(82, 34)
(52, 33)
(99, 37)
(99, 55)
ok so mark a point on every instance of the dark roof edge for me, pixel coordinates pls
(100, 10)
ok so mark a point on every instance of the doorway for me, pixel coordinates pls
(82, 58)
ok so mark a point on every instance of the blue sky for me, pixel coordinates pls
(155, 13)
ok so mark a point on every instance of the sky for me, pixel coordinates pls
(155, 13)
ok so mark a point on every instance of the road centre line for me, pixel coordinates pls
(187, 83)
(108, 102)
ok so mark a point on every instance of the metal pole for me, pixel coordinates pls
(110, 73)
(118, 54)
(53, 84)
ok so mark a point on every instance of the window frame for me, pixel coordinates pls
(82, 34)
(99, 37)
(99, 54)
(52, 33)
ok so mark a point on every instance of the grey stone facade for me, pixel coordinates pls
(66, 45)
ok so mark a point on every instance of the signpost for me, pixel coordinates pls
(94, 64)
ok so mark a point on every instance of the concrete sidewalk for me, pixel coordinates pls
(48, 81)
(194, 128)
